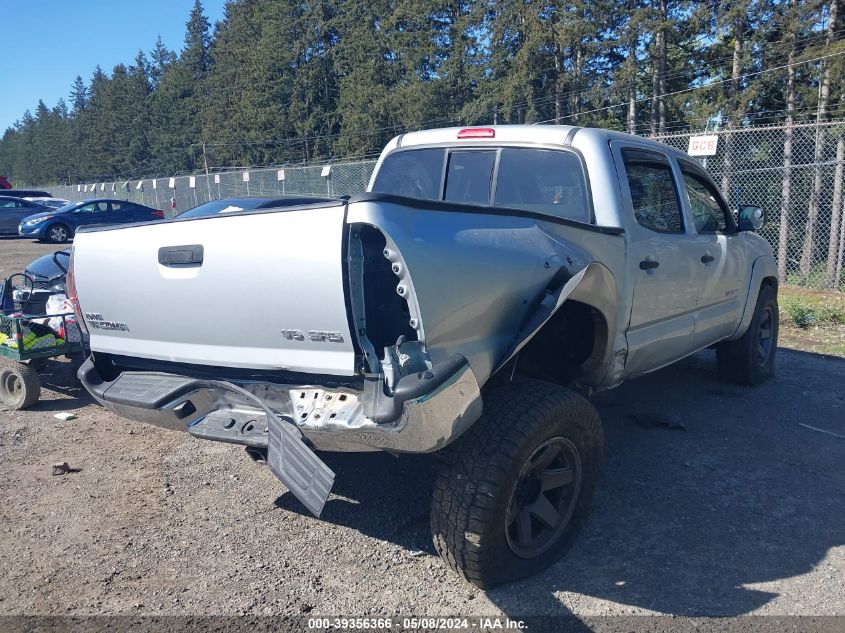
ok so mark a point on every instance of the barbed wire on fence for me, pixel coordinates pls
(794, 182)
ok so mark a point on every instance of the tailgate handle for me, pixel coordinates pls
(180, 255)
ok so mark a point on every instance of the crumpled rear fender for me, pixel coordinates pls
(479, 284)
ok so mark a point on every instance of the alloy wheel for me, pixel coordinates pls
(543, 498)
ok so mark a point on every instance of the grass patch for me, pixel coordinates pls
(804, 308)
(812, 320)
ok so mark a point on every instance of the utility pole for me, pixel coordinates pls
(205, 163)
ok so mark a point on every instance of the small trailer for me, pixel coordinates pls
(26, 342)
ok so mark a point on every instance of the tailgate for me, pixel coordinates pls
(256, 290)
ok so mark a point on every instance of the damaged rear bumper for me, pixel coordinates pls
(425, 412)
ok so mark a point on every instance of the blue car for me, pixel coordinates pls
(60, 225)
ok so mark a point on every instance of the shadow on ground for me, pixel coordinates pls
(684, 518)
(59, 376)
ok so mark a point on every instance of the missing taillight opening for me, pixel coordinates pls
(70, 284)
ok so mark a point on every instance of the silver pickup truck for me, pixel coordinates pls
(486, 283)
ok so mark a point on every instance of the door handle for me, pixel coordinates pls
(706, 259)
(180, 255)
(648, 264)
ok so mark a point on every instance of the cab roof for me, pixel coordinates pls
(541, 134)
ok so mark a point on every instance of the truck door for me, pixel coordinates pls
(723, 256)
(662, 261)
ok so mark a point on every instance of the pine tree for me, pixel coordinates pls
(78, 96)
(195, 55)
(177, 104)
(367, 111)
(160, 59)
(250, 85)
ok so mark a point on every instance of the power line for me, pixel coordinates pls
(696, 88)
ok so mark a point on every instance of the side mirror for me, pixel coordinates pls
(751, 218)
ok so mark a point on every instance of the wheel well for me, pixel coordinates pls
(770, 281)
(568, 346)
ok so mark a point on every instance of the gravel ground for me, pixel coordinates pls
(741, 511)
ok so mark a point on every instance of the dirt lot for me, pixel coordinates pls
(740, 511)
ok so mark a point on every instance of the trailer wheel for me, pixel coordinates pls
(19, 386)
(513, 492)
(750, 359)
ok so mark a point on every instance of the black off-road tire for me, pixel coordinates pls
(743, 361)
(476, 484)
(19, 385)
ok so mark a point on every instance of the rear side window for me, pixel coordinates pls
(95, 207)
(653, 192)
(470, 177)
(545, 181)
(415, 174)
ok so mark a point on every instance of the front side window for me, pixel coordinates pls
(546, 181)
(470, 176)
(653, 193)
(708, 212)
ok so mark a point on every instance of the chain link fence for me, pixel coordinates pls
(180, 193)
(795, 173)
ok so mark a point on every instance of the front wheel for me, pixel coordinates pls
(750, 359)
(513, 492)
(58, 234)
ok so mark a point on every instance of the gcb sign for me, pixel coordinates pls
(703, 145)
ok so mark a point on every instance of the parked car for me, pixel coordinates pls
(246, 203)
(60, 225)
(53, 203)
(519, 266)
(26, 193)
(13, 210)
(4, 183)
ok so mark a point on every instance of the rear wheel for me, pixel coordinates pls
(750, 359)
(58, 234)
(512, 494)
(19, 385)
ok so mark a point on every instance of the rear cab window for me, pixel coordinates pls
(469, 177)
(546, 181)
(412, 173)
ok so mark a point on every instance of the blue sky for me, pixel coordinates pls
(49, 42)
